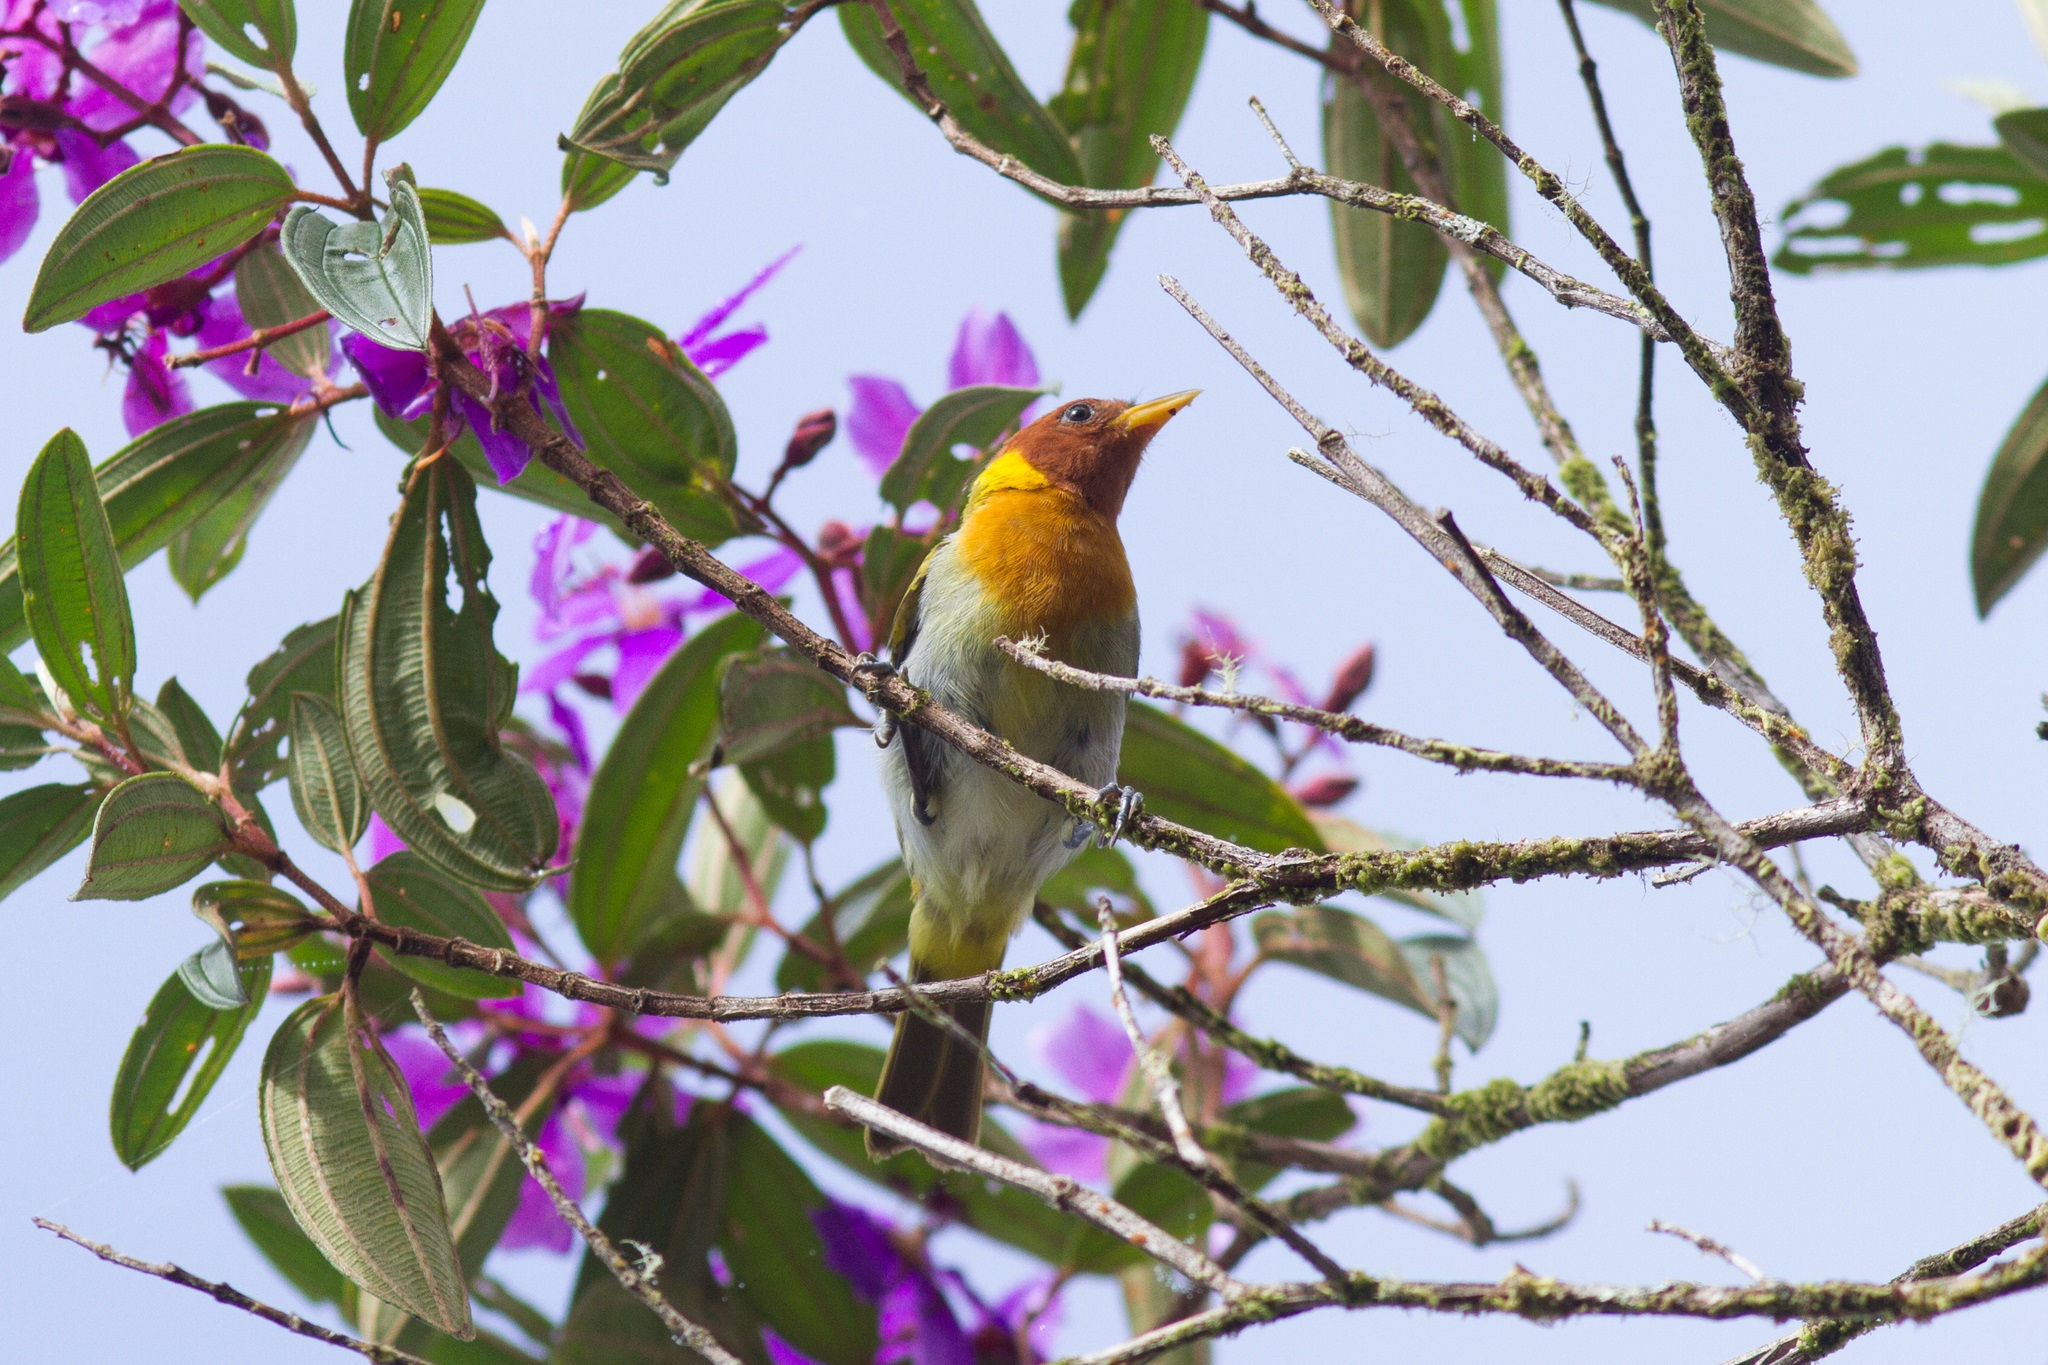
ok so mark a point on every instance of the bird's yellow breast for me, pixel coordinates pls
(1052, 562)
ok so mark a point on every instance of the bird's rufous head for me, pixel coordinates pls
(1091, 446)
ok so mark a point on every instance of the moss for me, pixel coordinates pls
(1575, 1091)
(1896, 873)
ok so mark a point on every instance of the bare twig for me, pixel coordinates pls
(257, 339)
(1165, 1089)
(639, 1285)
(1711, 1248)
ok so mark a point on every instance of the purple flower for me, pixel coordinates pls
(87, 165)
(142, 54)
(987, 350)
(716, 354)
(18, 206)
(155, 392)
(272, 382)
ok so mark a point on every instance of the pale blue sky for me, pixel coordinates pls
(1813, 1159)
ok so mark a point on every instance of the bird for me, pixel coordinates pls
(1037, 556)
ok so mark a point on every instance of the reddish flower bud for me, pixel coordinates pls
(839, 545)
(1196, 663)
(1319, 793)
(649, 567)
(1354, 675)
(814, 431)
(596, 684)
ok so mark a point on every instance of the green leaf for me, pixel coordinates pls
(967, 69)
(425, 695)
(889, 562)
(254, 918)
(2012, 509)
(304, 662)
(1941, 205)
(454, 219)
(396, 55)
(1300, 1111)
(644, 793)
(40, 825)
(197, 739)
(1795, 34)
(213, 977)
(74, 596)
(1477, 172)
(326, 790)
(178, 1051)
(536, 483)
(1189, 778)
(1006, 1214)
(22, 746)
(1129, 75)
(376, 278)
(1093, 872)
(152, 833)
(155, 222)
(1391, 270)
(777, 1258)
(673, 78)
(717, 881)
(345, 1146)
(21, 700)
(2025, 134)
(271, 294)
(1347, 947)
(267, 1221)
(648, 415)
(1467, 974)
(1344, 835)
(208, 550)
(164, 481)
(926, 470)
(411, 893)
(870, 920)
(228, 22)
(588, 179)
(777, 715)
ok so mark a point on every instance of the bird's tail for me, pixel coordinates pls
(933, 1075)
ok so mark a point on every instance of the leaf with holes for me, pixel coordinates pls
(176, 1054)
(152, 833)
(271, 294)
(326, 790)
(346, 1149)
(40, 825)
(411, 893)
(650, 416)
(163, 482)
(376, 278)
(2025, 134)
(155, 222)
(455, 219)
(967, 69)
(645, 792)
(2012, 507)
(926, 470)
(1941, 205)
(673, 78)
(1795, 34)
(425, 696)
(1189, 778)
(74, 596)
(238, 25)
(1129, 75)
(304, 662)
(396, 55)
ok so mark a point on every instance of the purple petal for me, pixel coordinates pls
(1220, 633)
(508, 454)
(989, 351)
(552, 549)
(96, 11)
(781, 1352)
(703, 327)
(435, 1086)
(1069, 1151)
(1090, 1051)
(155, 393)
(917, 1326)
(1239, 1076)
(720, 354)
(384, 841)
(641, 655)
(395, 378)
(551, 672)
(857, 1247)
(604, 1100)
(113, 315)
(18, 203)
(772, 571)
(879, 419)
(142, 56)
(35, 70)
(549, 390)
(272, 382)
(535, 1223)
(87, 165)
(849, 602)
(571, 726)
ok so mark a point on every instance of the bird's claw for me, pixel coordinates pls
(869, 662)
(1129, 801)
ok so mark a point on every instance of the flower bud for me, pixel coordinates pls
(1320, 793)
(1196, 663)
(596, 684)
(839, 545)
(814, 431)
(649, 566)
(1354, 675)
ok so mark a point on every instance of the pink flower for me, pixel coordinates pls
(987, 350)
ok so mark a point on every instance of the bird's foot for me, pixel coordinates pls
(1129, 801)
(873, 665)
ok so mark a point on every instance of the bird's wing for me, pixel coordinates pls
(920, 758)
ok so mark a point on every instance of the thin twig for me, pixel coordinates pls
(640, 1286)
(1711, 1248)
(1165, 1089)
(257, 339)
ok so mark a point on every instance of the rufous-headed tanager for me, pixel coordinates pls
(1036, 556)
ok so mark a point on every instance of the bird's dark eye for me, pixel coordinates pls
(1078, 413)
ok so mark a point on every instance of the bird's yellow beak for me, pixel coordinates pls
(1147, 418)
